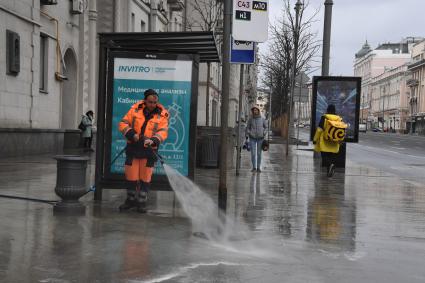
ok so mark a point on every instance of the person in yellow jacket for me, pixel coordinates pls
(145, 127)
(327, 147)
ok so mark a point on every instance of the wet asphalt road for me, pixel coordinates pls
(402, 155)
(367, 225)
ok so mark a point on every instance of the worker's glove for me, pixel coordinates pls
(148, 142)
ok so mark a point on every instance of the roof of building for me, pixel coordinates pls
(365, 49)
(395, 47)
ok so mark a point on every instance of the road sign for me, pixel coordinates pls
(242, 52)
(250, 20)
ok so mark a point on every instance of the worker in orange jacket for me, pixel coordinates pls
(145, 127)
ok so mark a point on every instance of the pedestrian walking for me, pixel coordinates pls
(256, 131)
(145, 127)
(86, 127)
(329, 135)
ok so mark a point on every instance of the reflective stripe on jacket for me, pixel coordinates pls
(156, 128)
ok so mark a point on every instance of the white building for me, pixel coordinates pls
(43, 96)
(140, 15)
(262, 101)
(51, 89)
(302, 108)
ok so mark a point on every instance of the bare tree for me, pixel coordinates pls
(206, 15)
(278, 61)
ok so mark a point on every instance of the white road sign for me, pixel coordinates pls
(250, 20)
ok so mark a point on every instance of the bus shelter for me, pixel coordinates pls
(130, 63)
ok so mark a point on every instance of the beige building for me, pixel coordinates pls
(389, 99)
(416, 85)
(370, 63)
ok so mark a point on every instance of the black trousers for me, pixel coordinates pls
(87, 142)
(328, 158)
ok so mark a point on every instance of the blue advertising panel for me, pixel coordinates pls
(172, 80)
(344, 93)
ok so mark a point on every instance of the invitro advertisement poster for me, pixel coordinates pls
(172, 80)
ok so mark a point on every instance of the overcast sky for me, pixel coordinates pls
(354, 21)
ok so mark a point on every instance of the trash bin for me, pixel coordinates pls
(210, 150)
(70, 182)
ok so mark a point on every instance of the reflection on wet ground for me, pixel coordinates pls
(362, 226)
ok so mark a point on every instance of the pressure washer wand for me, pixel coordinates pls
(160, 158)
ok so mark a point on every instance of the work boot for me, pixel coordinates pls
(129, 203)
(131, 200)
(142, 197)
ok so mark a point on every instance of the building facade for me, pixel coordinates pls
(47, 77)
(417, 91)
(206, 16)
(370, 63)
(262, 101)
(48, 63)
(389, 100)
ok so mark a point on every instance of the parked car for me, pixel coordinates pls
(362, 128)
(377, 130)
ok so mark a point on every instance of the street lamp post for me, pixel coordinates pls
(222, 189)
(294, 69)
(327, 37)
(270, 109)
(238, 134)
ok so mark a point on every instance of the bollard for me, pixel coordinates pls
(70, 183)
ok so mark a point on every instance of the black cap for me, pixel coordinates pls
(150, 92)
(331, 109)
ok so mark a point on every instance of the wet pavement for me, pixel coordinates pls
(366, 225)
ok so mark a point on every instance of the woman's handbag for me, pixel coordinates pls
(265, 145)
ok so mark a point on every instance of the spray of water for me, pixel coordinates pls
(203, 211)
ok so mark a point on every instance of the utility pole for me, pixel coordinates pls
(238, 134)
(299, 108)
(294, 70)
(327, 37)
(270, 110)
(222, 189)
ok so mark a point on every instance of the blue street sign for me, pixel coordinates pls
(242, 52)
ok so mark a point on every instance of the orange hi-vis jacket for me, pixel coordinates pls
(147, 125)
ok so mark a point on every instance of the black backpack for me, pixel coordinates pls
(81, 126)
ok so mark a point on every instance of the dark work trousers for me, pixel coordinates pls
(328, 158)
